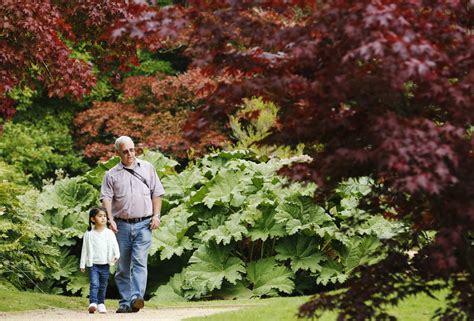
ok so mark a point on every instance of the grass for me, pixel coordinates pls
(418, 308)
(276, 309)
(11, 300)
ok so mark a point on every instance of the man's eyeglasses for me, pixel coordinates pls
(128, 151)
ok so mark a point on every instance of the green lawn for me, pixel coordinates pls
(276, 309)
(417, 308)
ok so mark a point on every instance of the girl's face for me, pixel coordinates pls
(100, 219)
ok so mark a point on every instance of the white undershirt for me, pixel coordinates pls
(99, 244)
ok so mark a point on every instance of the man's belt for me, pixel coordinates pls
(132, 220)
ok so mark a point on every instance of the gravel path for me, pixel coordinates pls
(175, 314)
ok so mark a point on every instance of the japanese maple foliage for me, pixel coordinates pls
(38, 39)
(153, 112)
(387, 88)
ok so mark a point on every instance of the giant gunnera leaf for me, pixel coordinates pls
(231, 229)
(301, 213)
(171, 237)
(267, 278)
(181, 185)
(211, 264)
(302, 252)
(227, 187)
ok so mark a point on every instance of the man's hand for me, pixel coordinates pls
(113, 226)
(154, 222)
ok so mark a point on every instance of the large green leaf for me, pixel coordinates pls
(232, 229)
(286, 190)
(380, 227)
(266, 277)
(359, 251)
(301, 213)
(68, 265)
(79, 283)
(233, 291)
(332, 272)
(69, 193)
(171, 237)
(182, 185)
(171, 291)
(211, 264)
(227, 187)
(303, 253)
(357, 187)
(265, 226)
(96, 175)
(163, 165)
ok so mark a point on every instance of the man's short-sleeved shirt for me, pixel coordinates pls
(130, 197)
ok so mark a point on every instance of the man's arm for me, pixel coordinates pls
(156, 218)
(107, 204)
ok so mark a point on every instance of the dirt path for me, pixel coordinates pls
(175, 314)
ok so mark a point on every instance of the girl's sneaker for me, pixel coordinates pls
(101, 308)
(92, 307)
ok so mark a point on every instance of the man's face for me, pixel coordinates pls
(126, 152)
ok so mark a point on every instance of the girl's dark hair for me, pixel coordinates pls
(92, 213)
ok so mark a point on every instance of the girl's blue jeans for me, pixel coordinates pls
(99, 277)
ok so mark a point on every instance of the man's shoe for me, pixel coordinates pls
(123, 309)
(92, 307)
(101, 308)
(137, 304)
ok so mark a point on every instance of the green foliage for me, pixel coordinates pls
(103, 90)
(150, 65)
(10, 174)
(25, 252)
(40, 231)
(303, 253)
(241, 230)
(253, 123)
(266, 278)
(172, 239)
(234, 227)
(23, 97)
(39, 149)
(210, 265)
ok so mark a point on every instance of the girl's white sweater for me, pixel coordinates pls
(113, 252)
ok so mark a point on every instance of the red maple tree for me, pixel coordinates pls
(387, 88)
(153, 112)
(38, 39)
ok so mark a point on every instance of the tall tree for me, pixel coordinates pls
(386, 87)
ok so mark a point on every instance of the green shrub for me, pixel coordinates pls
(243, 231)
(39, 149)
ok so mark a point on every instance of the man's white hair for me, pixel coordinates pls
(122, 140)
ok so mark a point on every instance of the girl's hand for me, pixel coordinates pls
(83, 270)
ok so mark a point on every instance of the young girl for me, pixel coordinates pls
(99, 250)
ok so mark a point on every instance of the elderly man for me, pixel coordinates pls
(131, 193)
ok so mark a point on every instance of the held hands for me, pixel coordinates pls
(154, 222)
